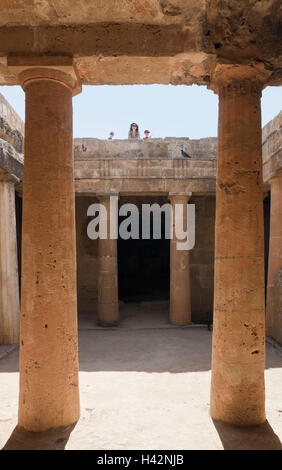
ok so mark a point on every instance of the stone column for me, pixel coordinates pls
(108, 306)
(49, 395)
(274, 305)
(180, 299)
(238, 354)
(9, 281)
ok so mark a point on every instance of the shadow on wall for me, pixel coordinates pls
(260, 437)
(49, 440)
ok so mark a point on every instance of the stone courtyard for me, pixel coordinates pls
(144, 386)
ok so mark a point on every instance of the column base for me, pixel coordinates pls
(108, 315)
(107, 324)
(237, 395)
(180, 323)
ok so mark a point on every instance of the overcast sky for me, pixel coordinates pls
(165, 110)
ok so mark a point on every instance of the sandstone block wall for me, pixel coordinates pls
(87, 258)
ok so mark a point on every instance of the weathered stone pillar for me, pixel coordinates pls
(238, 355)
(274, 303)
(180, 298)
(108, 306)
(9, 281)
(49, 395)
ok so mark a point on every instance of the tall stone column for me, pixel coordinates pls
(238, 353)
(274, 304)
(108, 306)
(49, 395)
(180, 298)
(9, 281)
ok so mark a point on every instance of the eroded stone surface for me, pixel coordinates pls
(157, 41)
(238, 358)
(49, 396)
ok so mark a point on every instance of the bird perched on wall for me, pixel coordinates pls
(184, 154)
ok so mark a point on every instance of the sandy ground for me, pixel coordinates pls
(144, 385)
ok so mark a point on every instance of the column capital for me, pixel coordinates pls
(59, 69)
(239, 79)
(179, 196)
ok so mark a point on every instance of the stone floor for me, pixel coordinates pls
(144, 385)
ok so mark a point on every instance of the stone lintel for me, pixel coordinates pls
(180, 196)
(158, 186)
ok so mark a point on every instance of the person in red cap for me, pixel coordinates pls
(111, 135)
(146, 134)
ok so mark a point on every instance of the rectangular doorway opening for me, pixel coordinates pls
(144, 265)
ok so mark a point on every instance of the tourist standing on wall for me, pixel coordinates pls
(146, 135)
(134, 131)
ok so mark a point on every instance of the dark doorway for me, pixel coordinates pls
(144, 265)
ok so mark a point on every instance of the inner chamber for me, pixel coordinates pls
(144, 265)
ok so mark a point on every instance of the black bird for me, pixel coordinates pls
(210, 320)
(184, 154)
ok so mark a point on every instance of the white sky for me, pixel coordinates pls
(166, 110)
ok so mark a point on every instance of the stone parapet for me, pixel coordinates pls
(170, 147)
(155, 166)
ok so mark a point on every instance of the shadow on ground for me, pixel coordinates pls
(260, 437)
(50, 440)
